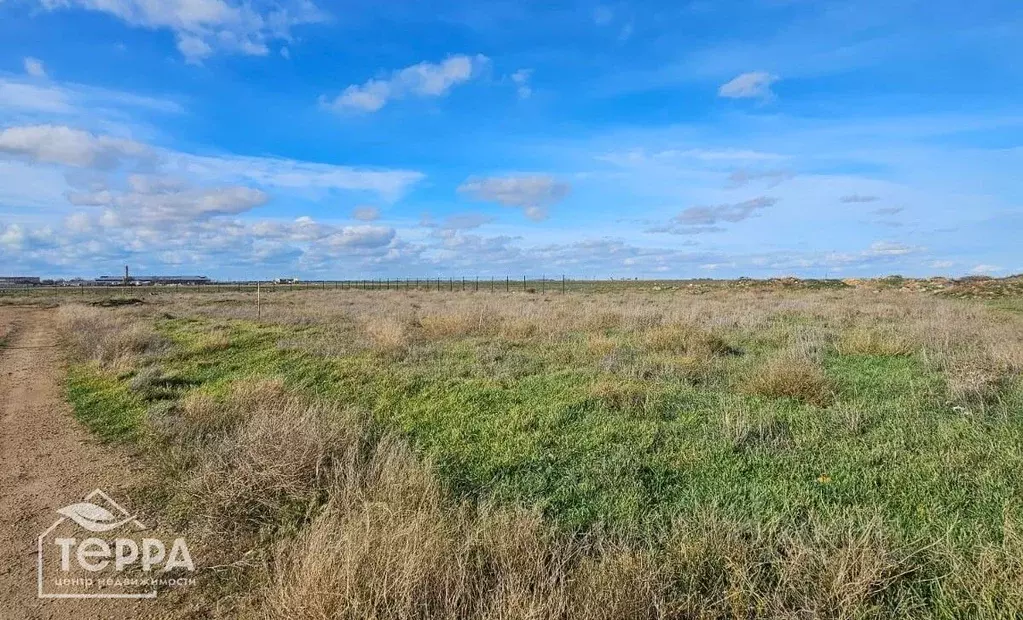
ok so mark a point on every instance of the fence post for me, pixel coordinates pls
(523, 284)
(543, 284)
(562, 284)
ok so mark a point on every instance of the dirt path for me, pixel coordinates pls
(47, 461)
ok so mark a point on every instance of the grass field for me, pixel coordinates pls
(808, 451)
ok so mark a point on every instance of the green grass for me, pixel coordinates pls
(519, 423)
(105, 404)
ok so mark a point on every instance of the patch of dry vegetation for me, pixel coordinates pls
(791, 375)
(114, 341)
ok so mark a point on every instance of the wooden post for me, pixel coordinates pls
(543, 284)
(562, 284)
(259, 307)
(523, 284)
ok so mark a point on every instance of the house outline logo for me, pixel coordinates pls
(94, 518)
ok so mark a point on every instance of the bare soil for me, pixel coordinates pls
(47, 461)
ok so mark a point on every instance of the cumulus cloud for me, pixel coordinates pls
(421, 80)
(159, 199)
(709, 216)
(752, 85)
(202, 27)
(34, 67)
(366, 213)
(888, 211)
(71, 147)
(858, 198)
(532, 193)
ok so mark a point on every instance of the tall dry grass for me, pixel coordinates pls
(115, 340)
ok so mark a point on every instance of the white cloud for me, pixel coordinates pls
(34, 67)
(458, 221)
(709, 216)
(360, 237)
(752, 85)
(521, 80)
(858, 198)
(26, 100)
(772, 178)
(19, 96)
(366, 213)
(942, 264)
(986, 269)
(889, 248)
(62, 145)
(203, 27)
(71, 147)
(422, 80)
(298, 175)
(533, 193)
(155, 199)
(639, 157)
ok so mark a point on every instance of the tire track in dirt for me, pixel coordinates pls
(47, 461)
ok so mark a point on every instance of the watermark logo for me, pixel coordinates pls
(97, 549)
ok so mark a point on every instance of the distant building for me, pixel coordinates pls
(161, 280)
(286, 281)
(19, 280)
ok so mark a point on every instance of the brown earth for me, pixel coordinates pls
(47, 461)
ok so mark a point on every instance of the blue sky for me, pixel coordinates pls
(593, 139)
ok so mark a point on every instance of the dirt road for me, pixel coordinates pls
(47, 461)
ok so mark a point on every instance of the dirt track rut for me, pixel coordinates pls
(47, 461)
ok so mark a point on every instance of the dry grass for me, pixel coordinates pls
(387, 333)
(115, 341)
(863, 341)
(618, 394)
(791, 375)
(328, 514)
